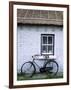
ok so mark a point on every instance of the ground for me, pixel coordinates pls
(39, 76)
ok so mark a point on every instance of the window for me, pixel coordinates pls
(47, 43)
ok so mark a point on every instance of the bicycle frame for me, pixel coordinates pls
(45, 61)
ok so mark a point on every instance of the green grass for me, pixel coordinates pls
(40, 76)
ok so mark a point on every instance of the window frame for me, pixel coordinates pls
(53, 35)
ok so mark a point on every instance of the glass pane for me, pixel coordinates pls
(44, 40)
(49, 40)
(50, 49)
(44, 49)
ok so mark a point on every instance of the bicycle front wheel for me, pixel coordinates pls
(52, 67)
(28, 69)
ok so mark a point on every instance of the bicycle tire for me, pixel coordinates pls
(55, 71)
(26, 72)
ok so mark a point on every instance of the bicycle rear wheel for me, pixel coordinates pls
(52, 68)
(28, 69)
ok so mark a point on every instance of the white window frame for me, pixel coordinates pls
(42, 44)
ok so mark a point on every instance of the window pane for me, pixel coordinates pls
(44, 40)
(49, 40)
(44, 49)
(47, 44)
(50, 49)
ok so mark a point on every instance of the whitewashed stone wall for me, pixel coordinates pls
(29, 43)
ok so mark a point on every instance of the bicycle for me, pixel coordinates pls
(50, 66)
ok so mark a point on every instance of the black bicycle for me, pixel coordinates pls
(50, 66)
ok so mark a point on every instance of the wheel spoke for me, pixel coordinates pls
(52, 67)
(28, 69)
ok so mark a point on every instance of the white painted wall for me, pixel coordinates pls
(29, 38)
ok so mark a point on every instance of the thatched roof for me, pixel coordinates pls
(25, 16)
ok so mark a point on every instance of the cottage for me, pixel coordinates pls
(39, 32)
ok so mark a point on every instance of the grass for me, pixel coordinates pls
(40, 76)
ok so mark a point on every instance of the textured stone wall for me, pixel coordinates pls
(29, 43)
